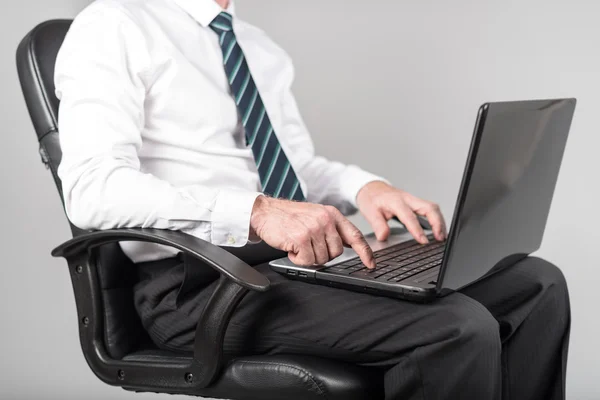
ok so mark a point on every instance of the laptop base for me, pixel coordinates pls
(397, 291)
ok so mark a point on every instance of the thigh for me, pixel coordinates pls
(298, 317)
(513, 294)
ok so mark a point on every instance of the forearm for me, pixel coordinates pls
(105, 193)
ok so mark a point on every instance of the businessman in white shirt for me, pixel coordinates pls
(176, 114)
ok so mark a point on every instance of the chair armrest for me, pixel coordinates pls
(210, 332)
(221, 260)
(237, 278)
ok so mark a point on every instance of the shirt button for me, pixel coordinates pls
(230, 239)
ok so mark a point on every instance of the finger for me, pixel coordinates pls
(378, 222)
(432, 212)
(320, 251)
(303, 258)
(436, 220)
(335, 246)
(410, 221)
(314, 230)
(352, 236)
(304, 254)
(316, 224)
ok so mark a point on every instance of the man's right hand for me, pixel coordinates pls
(310, 233)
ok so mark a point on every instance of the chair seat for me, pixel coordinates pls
(279, 377)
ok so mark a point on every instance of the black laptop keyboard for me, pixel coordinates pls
(395, 263)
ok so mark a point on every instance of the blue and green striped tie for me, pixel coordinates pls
(277, 176)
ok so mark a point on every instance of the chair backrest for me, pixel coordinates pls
(36, 57)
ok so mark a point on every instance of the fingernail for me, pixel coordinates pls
(424, 239)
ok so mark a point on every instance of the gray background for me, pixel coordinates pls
(392, 86)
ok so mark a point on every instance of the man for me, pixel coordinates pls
(175, 114)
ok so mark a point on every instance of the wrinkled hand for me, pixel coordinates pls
(310, 233)
(380, 202)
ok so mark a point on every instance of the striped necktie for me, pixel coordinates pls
(277, 176)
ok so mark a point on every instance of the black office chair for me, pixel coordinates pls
(114, 343)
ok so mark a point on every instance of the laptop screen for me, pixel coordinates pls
(507, 187)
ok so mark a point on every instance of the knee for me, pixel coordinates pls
(545, 270)
(551, 289)
(476, 328)
(546, 276)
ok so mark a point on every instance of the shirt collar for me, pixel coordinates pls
(204, 11)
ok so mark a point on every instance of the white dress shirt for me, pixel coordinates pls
(150, 133)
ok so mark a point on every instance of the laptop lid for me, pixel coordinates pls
(507, 188)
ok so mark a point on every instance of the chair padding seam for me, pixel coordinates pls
(316, 384)
(157, 358)
(50, 130)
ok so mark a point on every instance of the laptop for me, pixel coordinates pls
(499, 219)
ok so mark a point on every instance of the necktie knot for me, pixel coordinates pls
(222, 23)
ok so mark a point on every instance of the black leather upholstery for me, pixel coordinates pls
(123, 329)
(35, 60)
(36, 57)
(284, 377)
(35, 63)
(261, 377)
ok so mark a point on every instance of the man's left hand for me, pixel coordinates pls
(380, 202)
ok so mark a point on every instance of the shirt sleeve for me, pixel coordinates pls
(101, 77)
(327, 182)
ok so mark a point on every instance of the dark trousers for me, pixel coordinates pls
(504, 337)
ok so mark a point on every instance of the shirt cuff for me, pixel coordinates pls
(353, 179)
(230, 222)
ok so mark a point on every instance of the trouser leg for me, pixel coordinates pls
(530, 301)
(449, 349)
(445, 350)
